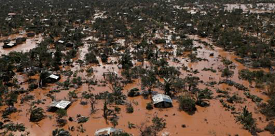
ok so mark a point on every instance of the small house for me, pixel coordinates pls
(162, 101)
(61, 41)
(11, 14)
(9, 45)
(53, 78)
(107, 131)
(59, 105)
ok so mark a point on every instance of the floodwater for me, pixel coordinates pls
(212, 120)
(258, 8)
(26, 46)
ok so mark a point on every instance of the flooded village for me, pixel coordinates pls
(137, 67)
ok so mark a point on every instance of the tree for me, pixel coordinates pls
(93, 102)
(192, 82)
(107, 112)
(148, 80)
(126, 60)
(227, 72)
(42, 78)
(246, 119)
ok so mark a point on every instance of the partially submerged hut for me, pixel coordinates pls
(162, 101)
(9, 45)
(63, 104)
(53, 78)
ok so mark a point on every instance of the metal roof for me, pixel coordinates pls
(60, 41)
(107, 131)
(60, 104)
(10, 44)
(54, 76)
(161, 98)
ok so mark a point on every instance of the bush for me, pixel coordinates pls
(37, 114)
(14, 127)
(227, 72)
(61, 122)
(133, 92)
(270, 127)
(269, 109)
(158, 123)
(33, 86)
(246, 119)
(187, 104)
(82, 119)
(129, 108)
(9, 110)
(60, 132)
(149, 106)
(61, 113)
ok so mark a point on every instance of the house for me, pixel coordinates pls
(53, 78)
(61, 41)
(30, 34)
(9, 45)
(59, 105)
(107, 131)
(11, 14)
(162, 101)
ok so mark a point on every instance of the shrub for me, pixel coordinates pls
(82, 119)
(246, 119)
(187, 104)
(227, 72)
(61, 113)
(158, 123)
(129, 108)
(14, 127)
(60, 132)
(37, 114)
(149, 106)
(61, 122)
(269, 108)
(133, 92)
(270, 127)
(33, 86)
(9, 110)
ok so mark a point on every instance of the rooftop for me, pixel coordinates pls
(60, 104)
(106, 131)
(161, 98)
(54, 76)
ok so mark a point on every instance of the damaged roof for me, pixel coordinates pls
(107, 131)
(161, 98)
(60, 104)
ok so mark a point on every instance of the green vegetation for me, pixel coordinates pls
(247, 120)
(187, 104)
(37, 114)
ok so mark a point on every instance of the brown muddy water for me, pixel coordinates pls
(26, 46)
(213, 120)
